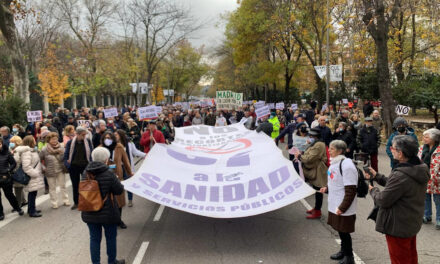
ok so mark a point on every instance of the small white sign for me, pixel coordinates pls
(402, 110)
(345, 101)
(110, 112)
(294, 107)
(147, 112)
(34, 116)
(86, 123)
(262, 111)
(271, 105)
(259, 104)
(279, 106)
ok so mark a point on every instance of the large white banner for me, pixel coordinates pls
(222, 172)
(228, 100)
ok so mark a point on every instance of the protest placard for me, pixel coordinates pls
(86, 123)
(259, 104)
(34, 116)
(279, 106)
(262, 111)
(110, 112)
(229, 100)
(294, 107)
(147, 112)
(402, 110)
(345, 101)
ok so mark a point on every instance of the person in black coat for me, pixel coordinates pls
(342, 133)
(7, 165)
(368, 140)
(108, 217)
(326, 133)
(368, 109)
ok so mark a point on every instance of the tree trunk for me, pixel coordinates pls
(19, 67)
(383, 76)
(102, 100)
(62, 101)
(45, 105)
(84, 99)
(109, 100)
(115, 98)
(73, 101)
(94, 100)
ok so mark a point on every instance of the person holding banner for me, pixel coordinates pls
(314, 164)
(151, 137)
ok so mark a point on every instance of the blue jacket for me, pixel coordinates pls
(289, 130)
(326, 134)
(409, 132)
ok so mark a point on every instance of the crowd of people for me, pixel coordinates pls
(84, 141)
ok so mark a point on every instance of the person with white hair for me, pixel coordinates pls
(108, 217)
(429, 153)
(378, 123)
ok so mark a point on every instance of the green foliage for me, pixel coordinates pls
(13, 110)
(367, 85)
(419, 91)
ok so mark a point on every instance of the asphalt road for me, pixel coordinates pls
(159, 235)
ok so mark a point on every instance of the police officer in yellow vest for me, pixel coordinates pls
(275, 123)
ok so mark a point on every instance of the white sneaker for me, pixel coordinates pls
(130, 203)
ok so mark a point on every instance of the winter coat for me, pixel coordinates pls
(108, 184)
(314, 162)
(348, 138)
(53, 163)
(326, 134)
(120, 159)
(30, 161)
(378, 124)
(368, 140)
(289, 130)
(266, 127)
(409, 132)
(67, 153)
(210, 120)
(7, 161)
(145, 140)
(276, 126)
(433, 186)
(401, 203)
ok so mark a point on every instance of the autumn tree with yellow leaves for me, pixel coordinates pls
(54, 83)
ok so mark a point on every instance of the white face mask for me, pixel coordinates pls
(108, 142)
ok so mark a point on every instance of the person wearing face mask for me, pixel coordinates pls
(77, 155)
(298, 139)
(273, 119)
(18, 130)
(342, 133)
(368, 140)
(118, 157)
(314, 164)
(400, 126)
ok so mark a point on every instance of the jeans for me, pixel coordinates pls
(7, 189)
(346, 244)
(95, 231)
(428, 206)
(31, 202)
(75, 177)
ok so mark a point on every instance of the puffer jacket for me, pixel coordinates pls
(53, 163)
(368, 140)
(30, 161)
(401, 203)
(7, 162)
(314, 161)
(17, 156)
(108, 184)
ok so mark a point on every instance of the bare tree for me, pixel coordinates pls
(164, 25)
(86, 27)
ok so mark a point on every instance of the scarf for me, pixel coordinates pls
(54, 150)
(336, 159)
(72, 148)
(427, 154)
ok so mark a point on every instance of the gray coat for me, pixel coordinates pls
(401, 203)
(53, 163)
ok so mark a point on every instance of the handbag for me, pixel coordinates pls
(21, 177)
(90, 199)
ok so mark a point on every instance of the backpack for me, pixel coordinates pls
(90, 199)
(362, 187)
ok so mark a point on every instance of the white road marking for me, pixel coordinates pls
(357, 259)
(158, 213)
(306, 204)
(141, 253)
(41, 199)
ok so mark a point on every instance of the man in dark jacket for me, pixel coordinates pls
(210, 118)
(265, 126)
(401, 203)
(326, 133)
(368, 108)
(108, 217)
(368, 141)
(342, 133)
(77, 155)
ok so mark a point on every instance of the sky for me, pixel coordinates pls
(209, 12)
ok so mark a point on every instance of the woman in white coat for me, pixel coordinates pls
(30, 161)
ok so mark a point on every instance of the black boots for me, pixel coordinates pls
(347, 260)
(337, 256)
